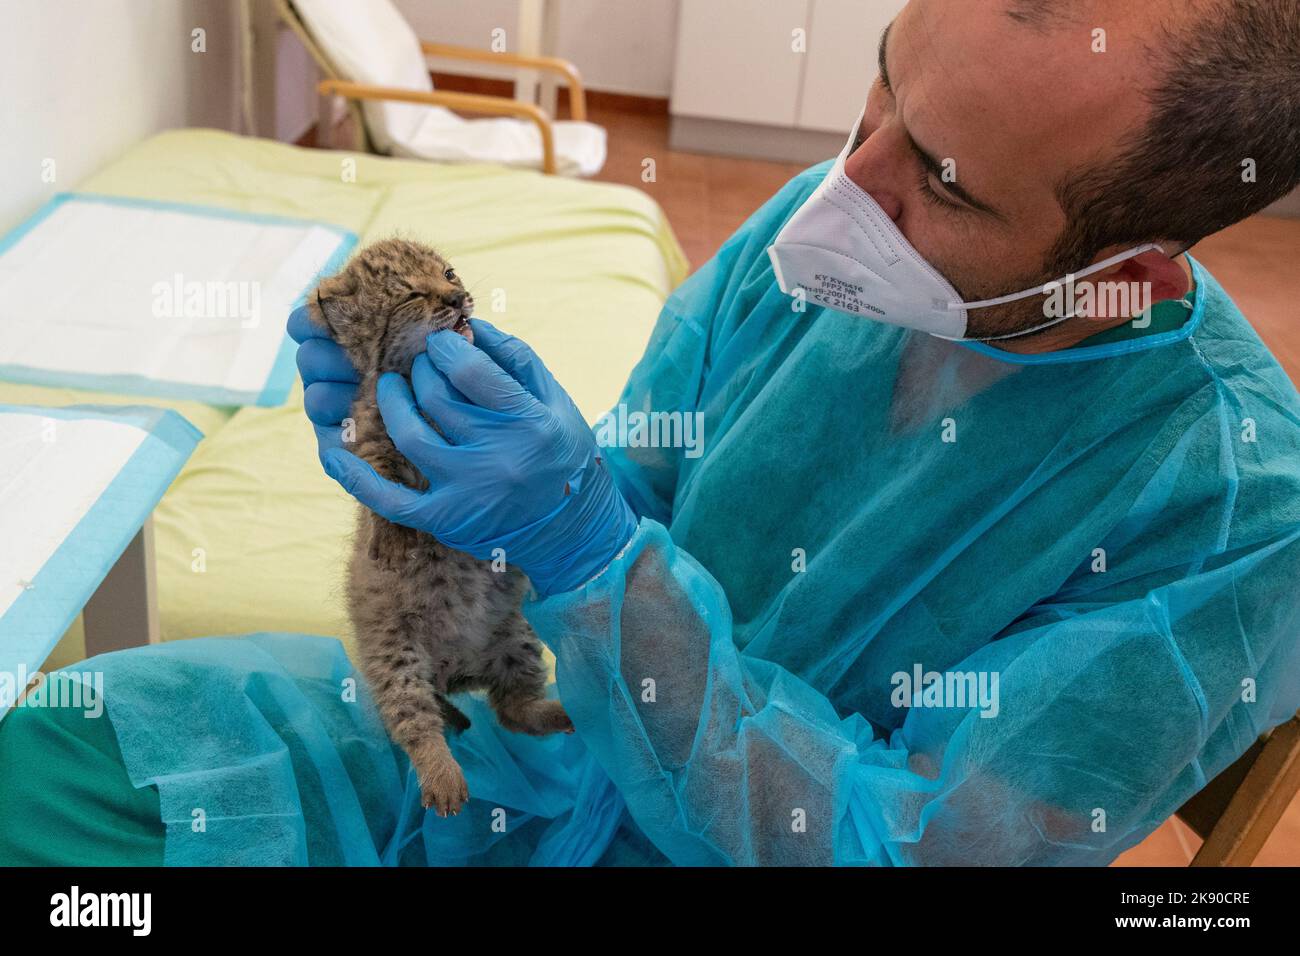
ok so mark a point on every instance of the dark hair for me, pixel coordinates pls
(1230, 93)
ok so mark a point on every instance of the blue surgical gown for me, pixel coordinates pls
(1113, 531)
(1089, 558)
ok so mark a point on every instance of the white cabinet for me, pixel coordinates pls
(840, 66)
(735, 60)
(751, 74)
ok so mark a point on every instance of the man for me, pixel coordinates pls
(1005, 600)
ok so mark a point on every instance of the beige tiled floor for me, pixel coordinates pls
(707, 197)
(1174, 844)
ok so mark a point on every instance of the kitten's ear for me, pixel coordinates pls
(335, 287)
(318, 308)
(341, 285)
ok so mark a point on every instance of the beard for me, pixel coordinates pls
(1009, 318)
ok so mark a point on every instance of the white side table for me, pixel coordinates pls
(77, 487)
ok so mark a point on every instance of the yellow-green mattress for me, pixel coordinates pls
(252, 536)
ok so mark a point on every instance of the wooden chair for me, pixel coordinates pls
(1239, 808)
(354, 93)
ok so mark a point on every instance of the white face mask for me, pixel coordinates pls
(845, 253)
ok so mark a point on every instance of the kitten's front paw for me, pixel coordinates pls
(442, 786)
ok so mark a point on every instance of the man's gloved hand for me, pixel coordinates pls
(328, 379)
(515, 466)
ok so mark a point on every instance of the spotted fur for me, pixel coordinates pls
(429, 621)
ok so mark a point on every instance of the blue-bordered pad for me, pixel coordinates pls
(103, 513)
(159, 299)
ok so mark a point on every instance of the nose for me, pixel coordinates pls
(456, 299)
(875, 166)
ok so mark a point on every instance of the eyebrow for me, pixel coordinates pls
(884, 42)
(927, 160)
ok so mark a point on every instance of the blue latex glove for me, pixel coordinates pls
(518, 469)
(328, 378)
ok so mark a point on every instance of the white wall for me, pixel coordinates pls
(82, 80)
(620, 46)
(296, 76)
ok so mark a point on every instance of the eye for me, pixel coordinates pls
(450, 275)
(932, 196)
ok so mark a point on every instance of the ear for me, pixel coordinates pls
(1165, 275)
(342, 285)
(1152, 274)
(317, 309)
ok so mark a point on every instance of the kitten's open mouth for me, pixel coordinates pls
(461, 324)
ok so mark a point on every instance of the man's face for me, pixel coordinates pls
(1008, 111)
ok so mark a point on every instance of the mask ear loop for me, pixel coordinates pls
(1046, 288)
(1185, 302)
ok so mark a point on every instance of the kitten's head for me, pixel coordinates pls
(387, 300)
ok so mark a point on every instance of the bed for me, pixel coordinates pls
(252, 536)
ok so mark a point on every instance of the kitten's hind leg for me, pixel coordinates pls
(532, 715)
(453, 716)
(400, 675)
(516, 682)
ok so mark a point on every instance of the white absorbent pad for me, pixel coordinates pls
(161, 299)
(76, 485)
